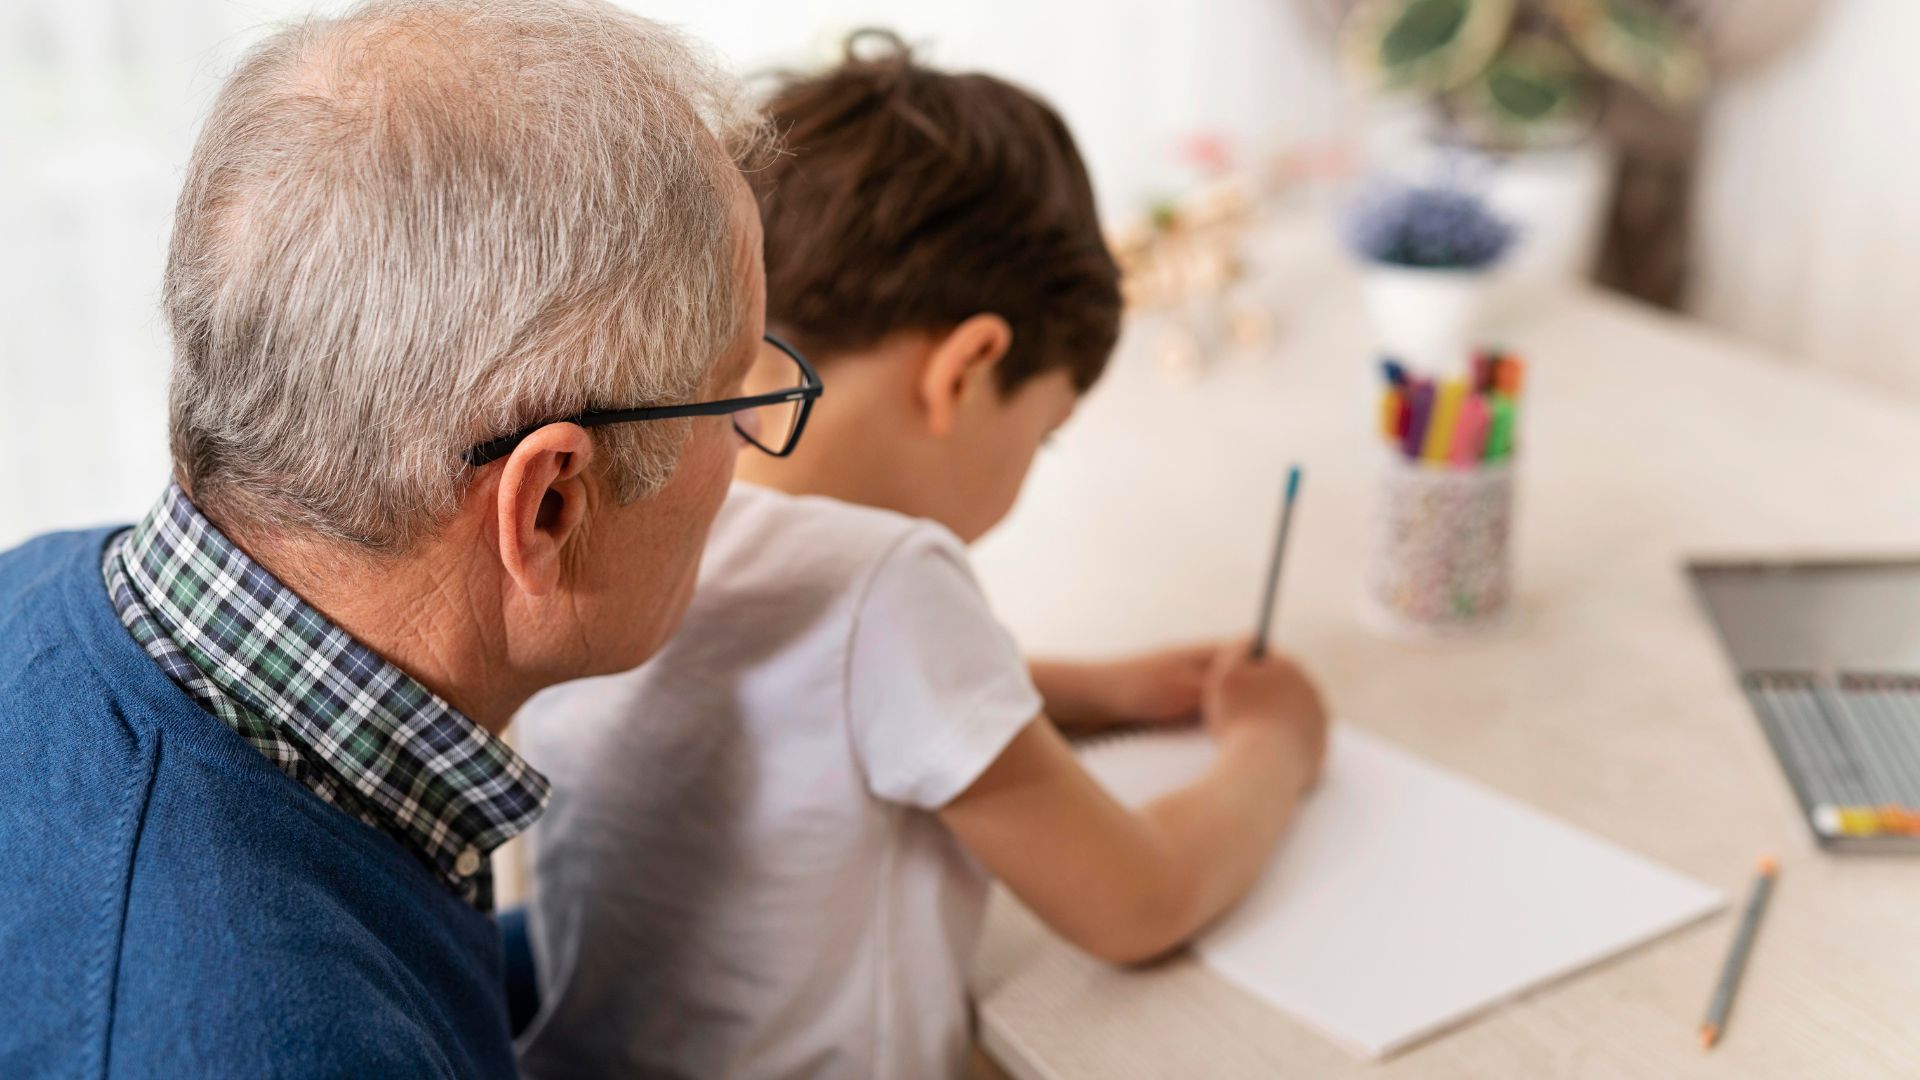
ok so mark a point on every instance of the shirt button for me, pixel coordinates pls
(468, 864)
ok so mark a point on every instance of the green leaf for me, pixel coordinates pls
(1423, 29)
(1639, 44)
(1640, 24)
(1534, 93)
(1522, 96)
(1424, 45)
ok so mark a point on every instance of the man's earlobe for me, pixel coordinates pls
(962, 362)
(541, 503)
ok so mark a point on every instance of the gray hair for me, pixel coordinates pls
(427, 223)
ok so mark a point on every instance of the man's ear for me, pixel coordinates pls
(960, 363)
(541, 502)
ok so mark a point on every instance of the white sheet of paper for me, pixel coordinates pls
(1407, 898)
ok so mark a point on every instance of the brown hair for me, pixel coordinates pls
(914, 199)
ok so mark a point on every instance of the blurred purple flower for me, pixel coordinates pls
(1441, 228)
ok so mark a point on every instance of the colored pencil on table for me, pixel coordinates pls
(1736, 965)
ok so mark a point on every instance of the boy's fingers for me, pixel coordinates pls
(1235, 651)
(1223, 659)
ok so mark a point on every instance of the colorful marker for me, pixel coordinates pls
(1419, 410)
(1508, 376)
(1392, 405)
(1455, 422)
(1500, 430)
(1470, 432)
(1485, 363)
(1438, 446)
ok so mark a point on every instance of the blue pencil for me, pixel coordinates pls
(1265, 625)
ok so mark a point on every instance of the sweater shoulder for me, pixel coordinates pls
(150, 851)
(79, 779)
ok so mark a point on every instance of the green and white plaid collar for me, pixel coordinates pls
(330, 712)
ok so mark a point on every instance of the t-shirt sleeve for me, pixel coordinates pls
(936, 687)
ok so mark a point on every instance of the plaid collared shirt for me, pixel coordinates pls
(332, 714)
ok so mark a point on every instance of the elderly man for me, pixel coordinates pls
(434, 264)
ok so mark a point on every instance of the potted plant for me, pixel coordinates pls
(1428, 252)
(1531, 94)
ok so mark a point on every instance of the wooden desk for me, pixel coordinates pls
(1607, 702)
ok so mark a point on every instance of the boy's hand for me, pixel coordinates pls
(1128, 885)
(1270, 696)
(1161, 687)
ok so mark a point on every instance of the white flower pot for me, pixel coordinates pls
(1556, 198)
(1558, 201)
(1424, 317)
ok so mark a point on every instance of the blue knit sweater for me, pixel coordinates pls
(171, 904)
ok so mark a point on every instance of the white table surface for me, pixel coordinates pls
(1607, 702)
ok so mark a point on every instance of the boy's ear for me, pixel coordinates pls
(961, 364)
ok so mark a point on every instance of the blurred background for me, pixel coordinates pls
(1739, 161)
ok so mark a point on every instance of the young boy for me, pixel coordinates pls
(768, 849)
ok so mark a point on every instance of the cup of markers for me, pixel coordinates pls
(1442, 559)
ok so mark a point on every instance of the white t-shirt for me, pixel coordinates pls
(740, 873)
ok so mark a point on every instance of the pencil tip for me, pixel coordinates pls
(1709, 1035)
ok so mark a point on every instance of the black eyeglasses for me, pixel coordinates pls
(771, 418)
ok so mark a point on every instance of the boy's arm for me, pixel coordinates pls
(1127, 886)
(1164, 686)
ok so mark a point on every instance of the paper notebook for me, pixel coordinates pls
(1406, 898)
